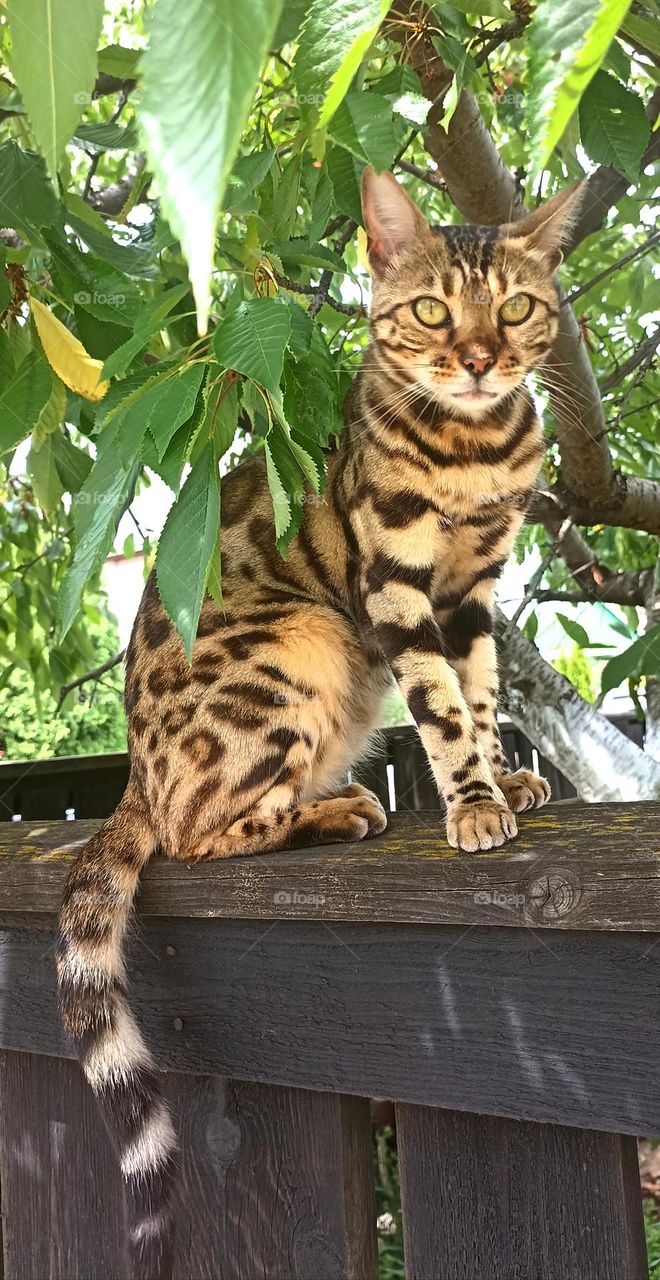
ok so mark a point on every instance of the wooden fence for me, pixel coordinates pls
(91, 786)
(508, 1003)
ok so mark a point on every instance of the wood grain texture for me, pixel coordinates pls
(491, 1199)
(572, 867)
(550, 1026)
(276, 1183)
(61, 1189)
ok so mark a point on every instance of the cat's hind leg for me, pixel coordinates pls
(343, 819)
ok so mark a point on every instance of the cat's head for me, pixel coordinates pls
(462, 312)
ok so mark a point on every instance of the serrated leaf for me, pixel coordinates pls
(573, 629)
(51, 415)
(568, 40)
(196, 95)
(186, 545)
(248, 172)
(365, 126)
(67, 356)
(646, 31)
(278, 493)
(27, 201)
(333, 40)
(97, 509)
(170, 405)
(252, 341)
(613, 125)
(23, 401)
(149, 322)
(54, 45)
(73, 464)
(46, 482)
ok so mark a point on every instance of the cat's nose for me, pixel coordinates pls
(477, 362)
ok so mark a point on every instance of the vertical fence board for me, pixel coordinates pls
(276, 1183)
(490, 1199)
(62, 1203)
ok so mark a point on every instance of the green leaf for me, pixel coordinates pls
(54, 45)
(646, 31)
(146, 325)
(186, 546)
(171, 404)
(247, 173)
(196, 95)
(46, 482)
(73, 464)
(51, 415)
(365, 126)
(281, 503)
(27, 202)
(97, 509)
(106, 137)
(311, 401)
(23, 400)
(613, 125)
(531, 626)
(333, 40)
(115, 60)
(568, 40)
(641, 658)
(252, 340)
(345, 173)
(573, 629)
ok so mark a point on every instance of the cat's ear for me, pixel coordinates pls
(547, 227)
(391, 220)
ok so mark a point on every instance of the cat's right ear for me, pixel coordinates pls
(391, 220)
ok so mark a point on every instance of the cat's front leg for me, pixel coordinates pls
(473, 655)
(410, 638)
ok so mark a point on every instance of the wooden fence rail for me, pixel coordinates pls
(92, 786)
(507, 1003)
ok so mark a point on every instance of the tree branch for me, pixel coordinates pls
(615, 266)
(89, 675)
(596, 580)
(485, 191)
(567, 730)
(642, 355)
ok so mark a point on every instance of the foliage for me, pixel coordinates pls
(577, 668)
(185, 233)
(388, 1207)
(92, 720)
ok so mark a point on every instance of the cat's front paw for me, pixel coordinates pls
(524, 790)
(483, 825)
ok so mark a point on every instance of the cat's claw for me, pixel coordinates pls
(524, 790)
(481, 826)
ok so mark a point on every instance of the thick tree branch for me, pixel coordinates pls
(602, 762)
(596, 580)
(485, 191)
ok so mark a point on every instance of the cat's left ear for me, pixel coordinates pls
(547, 227)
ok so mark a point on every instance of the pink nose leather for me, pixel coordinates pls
(477, 364)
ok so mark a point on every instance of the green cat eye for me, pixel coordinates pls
(431, 311)
(517, 308)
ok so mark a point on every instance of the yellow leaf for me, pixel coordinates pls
(67, 356)
(362, 255)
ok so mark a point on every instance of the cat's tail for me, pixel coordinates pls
(94, 916)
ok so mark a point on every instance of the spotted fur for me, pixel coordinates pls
(391, 577)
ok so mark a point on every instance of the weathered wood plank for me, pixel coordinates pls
(268, 1177)
(573, 867)
(484, 1197)
(61, 1190)
(552, 1026)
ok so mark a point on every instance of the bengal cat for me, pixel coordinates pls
(392, 575)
